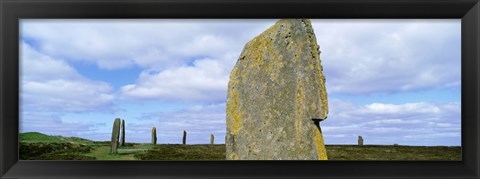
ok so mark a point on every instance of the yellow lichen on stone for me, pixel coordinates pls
(322, 152)
(323, 89)
(233, 156)
(311, 66)
(313, 106)
(295, 58)
(264, 45)
(289, 47)
(232, 103)
(264, 87)
(276, 112)
(276, 70)
(243, 76)
(232, 111)
(269, 69)
(323, 96)
(323, 92)
(233, 77)
(299, 103)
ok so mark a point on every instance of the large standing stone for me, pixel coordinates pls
(275, 92)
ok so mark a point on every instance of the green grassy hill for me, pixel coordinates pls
(38, 146)
(35, 137)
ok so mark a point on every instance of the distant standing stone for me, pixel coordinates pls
(122, 140)
(275, 92)
(360, 141)
(154, 135)
(184, 140)
(212, 138)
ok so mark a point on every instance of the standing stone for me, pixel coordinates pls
(275, 93)
(184, 140)
(122, 140)
(154, 135)
(211, 139)
(115, 133)
(360, 141)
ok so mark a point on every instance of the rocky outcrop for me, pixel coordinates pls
(276, 93)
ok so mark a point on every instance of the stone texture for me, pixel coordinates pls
(115, 134)
(275, 91)
(360, 140)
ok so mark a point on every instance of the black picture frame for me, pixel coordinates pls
(13, 10)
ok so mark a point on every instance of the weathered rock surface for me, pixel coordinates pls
(275, 91)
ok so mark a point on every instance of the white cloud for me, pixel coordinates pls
(160, 43)
(199, 122)
(359, 56)
(379, 108)
(206, 80)
(370, 56)
(37, 66)
(64, 95)
(181, 59)
(381, 123)
(48, 84)
(53, 125)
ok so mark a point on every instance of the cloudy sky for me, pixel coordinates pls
(390, 81)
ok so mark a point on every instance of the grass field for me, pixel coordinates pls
(390, 152)
(37, 146)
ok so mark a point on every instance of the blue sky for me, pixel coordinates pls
(390, 81)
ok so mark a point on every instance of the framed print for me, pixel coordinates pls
(239, 89)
